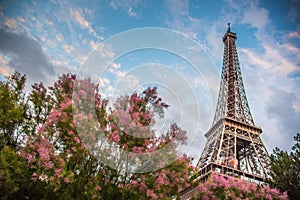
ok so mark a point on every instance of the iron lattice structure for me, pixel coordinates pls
(234, 147)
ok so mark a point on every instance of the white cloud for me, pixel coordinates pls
(291, 48)
(116, 65)
(267, 80)
(293, 12)
(118, 73)
(131, 12)
(256, 16)
(49, 22)
(21, 19)
(105, 50)
(4, 66)
(296, 105)
(128, 6)
(11, 23)
(59, 37)
(293, 34)
(49, 42)
(68, 48)
(179, 18)
(272, 62)
(79, 18)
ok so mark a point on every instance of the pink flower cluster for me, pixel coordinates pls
(227, 187)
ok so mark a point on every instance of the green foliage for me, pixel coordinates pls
(15, 178)
(285, 170)
(12, 110)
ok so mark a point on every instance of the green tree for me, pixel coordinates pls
(285, 170)
(15, 174)
(12, 110)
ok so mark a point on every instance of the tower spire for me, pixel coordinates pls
(232, 101)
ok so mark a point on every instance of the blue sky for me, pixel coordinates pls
(47, 38)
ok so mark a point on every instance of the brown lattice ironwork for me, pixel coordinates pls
(234, 146)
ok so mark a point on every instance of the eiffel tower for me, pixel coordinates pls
(234, 147)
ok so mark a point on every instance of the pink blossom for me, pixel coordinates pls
(151, 194)
(134, 149)
(160, 180)
(71, 133)
(82, 93)
(58, 172)
(98, 188)
(152, 148)
(135, 116)
(43, 177)
(33, 176)
(48, 165)
(67, 180)
(76, 139)
(142, 186)
(132, 125)
(134, 97)
(29, 158)
(65, 105)
(134, 183)
(232, 194)
(44, 153)
(116, 136)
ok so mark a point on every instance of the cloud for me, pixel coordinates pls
(21, 19)
(118, 73)
(281, 108)
(293, 12)
(49, 22)
(10, 23)
(179, 18)
(79, 19)
(273, 92)
(68, 48)
(59, 37)
(26, 54)
(293, 34)
(4, 68)
(129, 6)
(272, 61)
(256, 16)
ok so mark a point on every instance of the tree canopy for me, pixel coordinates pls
(285, 169)
(51, 147)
